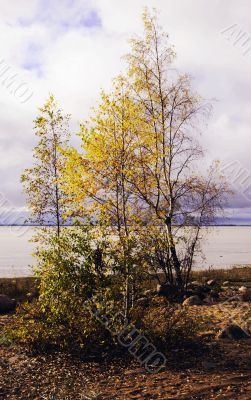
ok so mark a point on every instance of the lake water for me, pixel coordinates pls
(15, 251)
(223, 247)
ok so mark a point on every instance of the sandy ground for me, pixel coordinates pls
(221, 372)
(221, 369)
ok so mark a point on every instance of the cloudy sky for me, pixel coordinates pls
(73, 48)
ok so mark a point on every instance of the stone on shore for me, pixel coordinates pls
(192, 301)
(246, 296)
(167, 290)
(243, 289)
(233, 332)
(212, 282)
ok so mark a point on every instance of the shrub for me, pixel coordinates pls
(58, 319)
(168, 324)
(39, 330)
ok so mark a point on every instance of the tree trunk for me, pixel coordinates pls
(176, 262)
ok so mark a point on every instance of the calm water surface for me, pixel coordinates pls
(15, 251)
(223, 247)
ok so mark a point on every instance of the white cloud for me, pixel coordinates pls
(61, 47)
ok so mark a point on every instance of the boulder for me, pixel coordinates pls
(243, 289)
(200, 290)
(192, 301)
(233, 332)
(167, 290)
(245, 293)
(214, 294)
(6, 304)
(211, 297)
(203, 289)
(208, 300)
(195, 283)
(212, 282)
(246, 296)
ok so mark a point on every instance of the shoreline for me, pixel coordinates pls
(195, 270)
(19, 287)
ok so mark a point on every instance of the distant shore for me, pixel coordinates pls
(21, 286)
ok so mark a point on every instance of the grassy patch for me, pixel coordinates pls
(235, 274)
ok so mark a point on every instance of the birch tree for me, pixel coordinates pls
(168, 177)
(41, 182)
(97, 179)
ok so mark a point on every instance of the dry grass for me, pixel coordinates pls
(235, 274)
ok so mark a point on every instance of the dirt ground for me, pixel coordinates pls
(224, 372)
(219, 369)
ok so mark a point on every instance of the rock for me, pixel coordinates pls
(208, 300)
(211, 297)
(167, 290)
(233, 332)
(195, 283)
(245, 293)
(192, 301)
(246, 296)
(243, 289)
(214, 294)
(190, 292)
(212, 282)
(198, 286)
(226, 283)
(201, 290)
(6, 304)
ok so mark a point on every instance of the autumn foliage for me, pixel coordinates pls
(138, 186)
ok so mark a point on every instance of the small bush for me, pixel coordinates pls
(168, 324)
(39, 330)
(58, 319)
